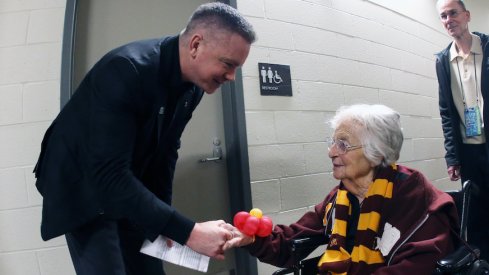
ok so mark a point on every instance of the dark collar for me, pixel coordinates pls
(484, 39)
(171, 73)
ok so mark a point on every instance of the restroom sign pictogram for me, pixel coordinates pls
(274, 79)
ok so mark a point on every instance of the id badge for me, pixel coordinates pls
(472, 122)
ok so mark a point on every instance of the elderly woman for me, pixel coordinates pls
(382, 218)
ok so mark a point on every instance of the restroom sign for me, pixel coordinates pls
(274, 79)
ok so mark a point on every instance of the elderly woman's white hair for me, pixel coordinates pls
(379, 130)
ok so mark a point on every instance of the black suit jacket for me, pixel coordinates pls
(112, 149)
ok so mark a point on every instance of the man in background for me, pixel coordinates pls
(463, 77)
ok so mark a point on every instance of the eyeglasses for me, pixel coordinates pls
(452, 13)
(342, 146)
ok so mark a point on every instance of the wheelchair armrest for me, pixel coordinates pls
(307, 244)
(301, 248)
(458, 259)
(284, 271)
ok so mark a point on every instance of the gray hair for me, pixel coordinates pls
(379, 130)
(460, 2)
(216, 15)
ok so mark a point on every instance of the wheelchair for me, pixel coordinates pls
(463, 261)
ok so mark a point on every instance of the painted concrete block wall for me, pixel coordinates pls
(30, 56)
(340, 52)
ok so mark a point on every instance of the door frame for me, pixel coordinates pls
(234, 129)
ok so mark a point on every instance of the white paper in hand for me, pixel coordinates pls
(177, 254)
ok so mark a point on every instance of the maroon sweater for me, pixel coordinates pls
(423, 214)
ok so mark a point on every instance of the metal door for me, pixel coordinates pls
(200, 187)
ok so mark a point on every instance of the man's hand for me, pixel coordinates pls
(454, 172)
(208, 238)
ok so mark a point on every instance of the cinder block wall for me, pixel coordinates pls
(30, 56)
(340, 52)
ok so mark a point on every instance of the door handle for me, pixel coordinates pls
(210, 159)
(216, 152)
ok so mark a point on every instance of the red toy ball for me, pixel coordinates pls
(240, 219)
(265, 227)
(251, 226)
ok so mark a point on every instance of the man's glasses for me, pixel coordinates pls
(452, 13)
(342, 146)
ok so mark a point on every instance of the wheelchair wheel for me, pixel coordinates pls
(479, 267)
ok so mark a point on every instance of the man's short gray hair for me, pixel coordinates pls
(219, 16)
(460, 2)
(379, 130)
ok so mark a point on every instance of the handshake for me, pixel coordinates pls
(213, 238)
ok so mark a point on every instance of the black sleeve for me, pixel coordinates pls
(113, 128)
(446, 121)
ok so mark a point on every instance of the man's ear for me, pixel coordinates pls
(194, 44)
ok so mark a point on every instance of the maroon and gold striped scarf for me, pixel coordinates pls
(336, 260)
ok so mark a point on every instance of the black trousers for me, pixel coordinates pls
(110, 247)
(475, 167)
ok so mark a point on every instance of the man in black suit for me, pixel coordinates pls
(107, 161)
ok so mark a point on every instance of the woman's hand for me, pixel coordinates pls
(238, 239)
